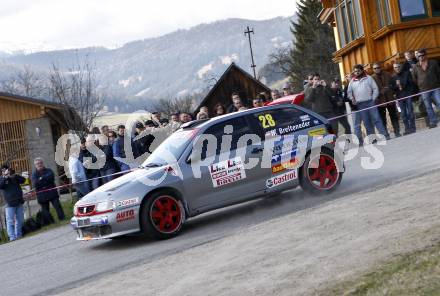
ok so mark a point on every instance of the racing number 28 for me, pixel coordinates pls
(266, 120)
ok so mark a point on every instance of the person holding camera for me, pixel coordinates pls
(319, 97)
(10, 184)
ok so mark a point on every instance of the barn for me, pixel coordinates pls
(234, 79)
(29, 128)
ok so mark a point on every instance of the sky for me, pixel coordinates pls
(60, 24)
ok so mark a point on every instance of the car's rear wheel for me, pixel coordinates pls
(162, 215)
(320, 174)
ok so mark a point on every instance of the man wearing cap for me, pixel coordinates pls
(287, 89)
(10, 185)
(143, 139)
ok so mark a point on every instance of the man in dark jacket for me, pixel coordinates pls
(10, 185)
(383, 81)
(111, 167)
(403, 86)
(43, 179)
(338, 100)
(143, 140)
(319, 96)
(426, 74)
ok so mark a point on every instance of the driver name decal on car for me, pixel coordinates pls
(288, 129)
(281, 179)
(227, 171)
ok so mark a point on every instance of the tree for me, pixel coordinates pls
(313, 46)
(176, 105)
(25, 82)
(76, 89)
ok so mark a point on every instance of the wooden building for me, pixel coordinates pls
(368, 31)
(234, 79)
(29, 128)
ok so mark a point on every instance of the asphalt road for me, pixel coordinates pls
(54, 261)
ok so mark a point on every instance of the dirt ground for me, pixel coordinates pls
(297, 254)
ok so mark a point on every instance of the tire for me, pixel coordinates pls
(162, 215)
(321, 180)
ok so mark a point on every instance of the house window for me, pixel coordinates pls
(412, 9)
(435, 4)
(349, 21)
(383, 11)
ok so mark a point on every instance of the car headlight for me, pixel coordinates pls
(105, 206)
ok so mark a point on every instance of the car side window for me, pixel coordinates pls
(284, 121)
(239, 126)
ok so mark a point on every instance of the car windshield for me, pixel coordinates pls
(170, 150)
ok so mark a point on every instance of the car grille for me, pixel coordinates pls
(85, 210)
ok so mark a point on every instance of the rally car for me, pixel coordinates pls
(210, 164)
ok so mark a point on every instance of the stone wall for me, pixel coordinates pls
(41, 144)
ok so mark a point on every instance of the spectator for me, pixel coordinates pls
(287, 89)
(263, 96)
(236, 103)
(88, 159)
(363, 91)
(403, 86)
(257, 102)
(426, 74)
(275, 94)
(410, 61)
(383, 81)
(119, 149)
(43, 180)
(338, 102)
(308, 82)
(185, 117)
(156, 117)
(174, 118)
(95, 130)
(104, 130)
(143, 140)
(10, 185)
(78, 174)
(219, 109)
(357, 120)
(202, 115)
(205, 110)
(110, 168)
(111, 136)
(319, 96)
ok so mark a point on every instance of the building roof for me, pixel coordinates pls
(29, 100)
(231, 68)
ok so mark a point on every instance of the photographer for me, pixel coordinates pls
(320, 97)
(10, 184)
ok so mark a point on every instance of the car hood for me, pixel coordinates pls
(124, 184)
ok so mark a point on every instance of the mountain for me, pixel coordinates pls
(176, 64)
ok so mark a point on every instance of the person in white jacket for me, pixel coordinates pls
(363, 91)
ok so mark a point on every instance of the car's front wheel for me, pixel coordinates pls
(162, 215)
(320, 173)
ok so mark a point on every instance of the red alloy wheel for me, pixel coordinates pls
(326, 175)
(166, 214)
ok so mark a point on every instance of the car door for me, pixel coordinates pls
(280, 128)
(225, 180)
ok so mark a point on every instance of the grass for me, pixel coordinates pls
(415, 273)
(68, 211)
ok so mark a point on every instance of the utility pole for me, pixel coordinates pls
(248, 32)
